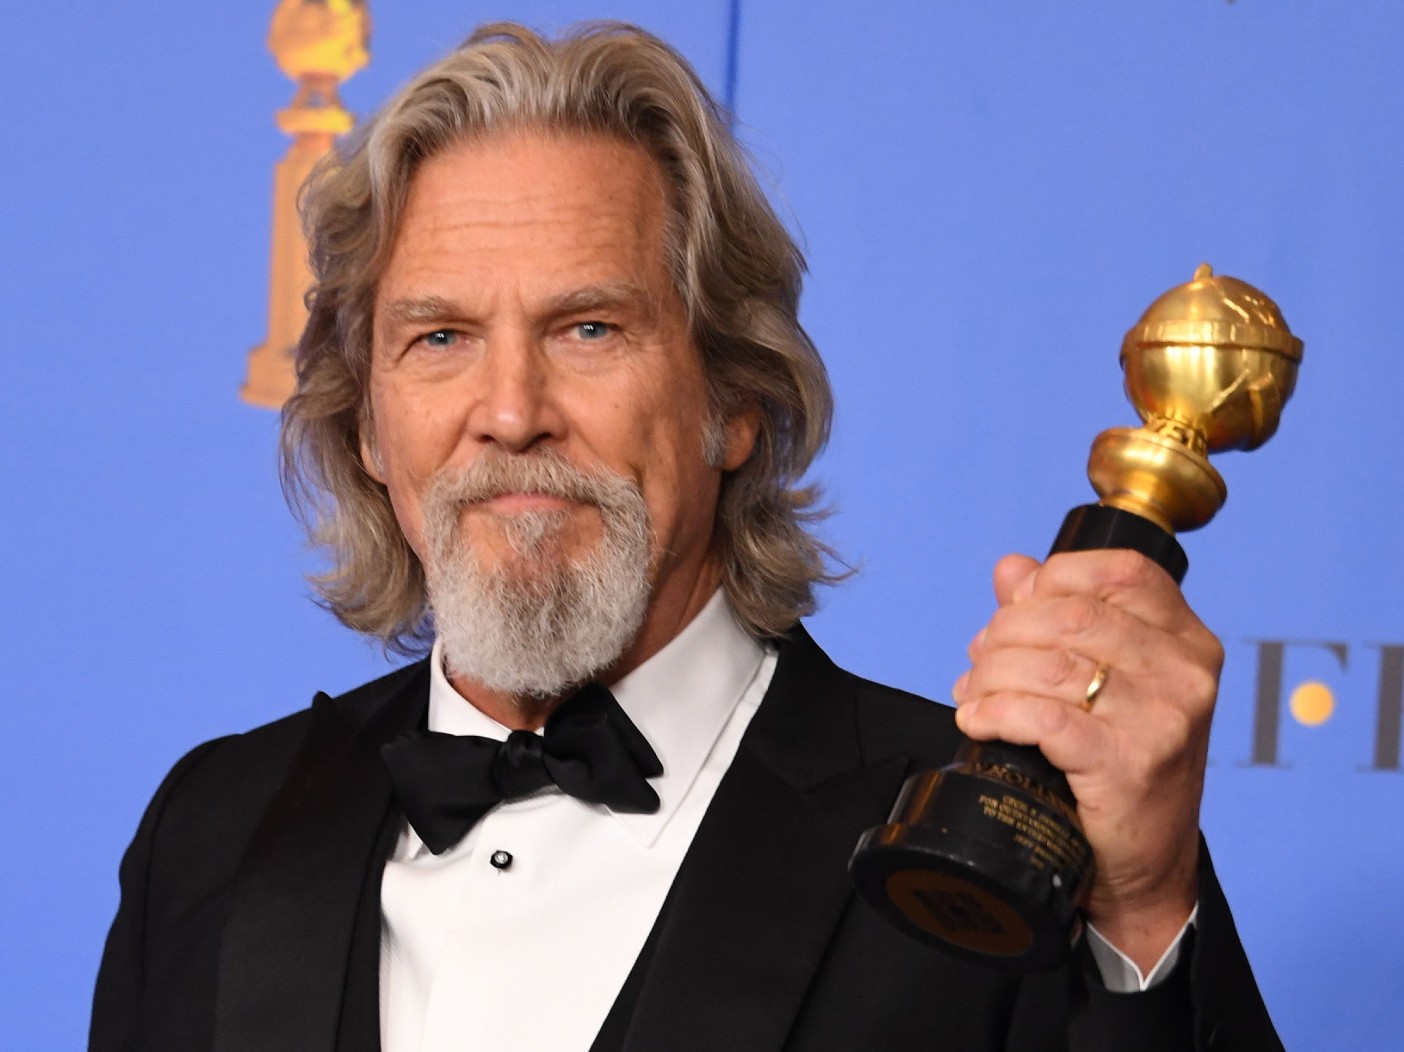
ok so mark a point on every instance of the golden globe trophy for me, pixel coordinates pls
(986, 857)
(318, 44)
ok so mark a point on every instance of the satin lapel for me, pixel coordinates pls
(283, 960)
(765, 882)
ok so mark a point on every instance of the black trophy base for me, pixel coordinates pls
(981, 858)
(985, 858)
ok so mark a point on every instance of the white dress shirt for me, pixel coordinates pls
(531, 957)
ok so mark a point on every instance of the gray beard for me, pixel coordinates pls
(536, 623)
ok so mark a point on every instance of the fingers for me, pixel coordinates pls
(1073, 740)
(1121, 579)
(1051, 649)
(1033, 665)
(1125, 578)
(1033, 696)
(1059, 674)
(1133, 727)
(1082, 632)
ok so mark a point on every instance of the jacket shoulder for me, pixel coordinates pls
(891, 720)
(888, 720)
(253, 761)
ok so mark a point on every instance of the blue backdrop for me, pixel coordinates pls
(989, 196)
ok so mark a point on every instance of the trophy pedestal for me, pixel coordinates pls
(981, 859)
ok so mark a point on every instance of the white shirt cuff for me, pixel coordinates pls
(1119, 972)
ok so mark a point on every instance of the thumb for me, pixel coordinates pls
(1009, 574)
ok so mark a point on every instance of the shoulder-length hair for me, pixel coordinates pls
(735, 266)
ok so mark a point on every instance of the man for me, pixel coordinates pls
(552, 410)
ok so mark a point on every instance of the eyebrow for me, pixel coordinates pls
(420, 309)
(610, 295)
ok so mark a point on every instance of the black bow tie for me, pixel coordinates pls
(589, 748)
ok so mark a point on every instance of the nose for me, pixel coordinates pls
(513, 405)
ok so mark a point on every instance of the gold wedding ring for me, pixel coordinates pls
(1099, 680)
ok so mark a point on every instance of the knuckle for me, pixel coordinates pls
(1107, 567)
(984, 717)
(1079, 615)
(1214, 655)
(1061, 669)
(992, 705)
(1176, 730)
(1202, 685)
(1191, 680)
(1002, 712)
(1128, 568)
(1054, 717)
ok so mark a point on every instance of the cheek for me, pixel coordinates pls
(409, 513)
(674, 449)
(406, 452)
(416, 429)
(682, 495)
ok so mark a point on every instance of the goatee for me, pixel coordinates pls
(540, 621)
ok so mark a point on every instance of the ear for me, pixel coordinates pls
(742, 427)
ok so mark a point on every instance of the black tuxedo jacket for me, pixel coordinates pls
(250, 920)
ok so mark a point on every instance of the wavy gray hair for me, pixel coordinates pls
(731, 259)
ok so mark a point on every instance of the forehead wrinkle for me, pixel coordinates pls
(451, 212)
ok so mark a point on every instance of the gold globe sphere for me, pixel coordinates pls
(1214, 354)
(320, 38)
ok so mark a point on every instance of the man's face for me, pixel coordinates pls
(527, 309)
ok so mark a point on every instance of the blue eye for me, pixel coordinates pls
(592, 330)
(439, 338)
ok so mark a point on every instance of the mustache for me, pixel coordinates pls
(544, 472)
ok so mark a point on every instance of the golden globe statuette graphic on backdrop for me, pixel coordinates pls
(318, 44)
(986, 857)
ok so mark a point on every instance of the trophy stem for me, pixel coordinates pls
(1095, 526)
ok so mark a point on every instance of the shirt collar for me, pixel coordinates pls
(681, 699)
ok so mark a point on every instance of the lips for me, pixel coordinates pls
(518, 503)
